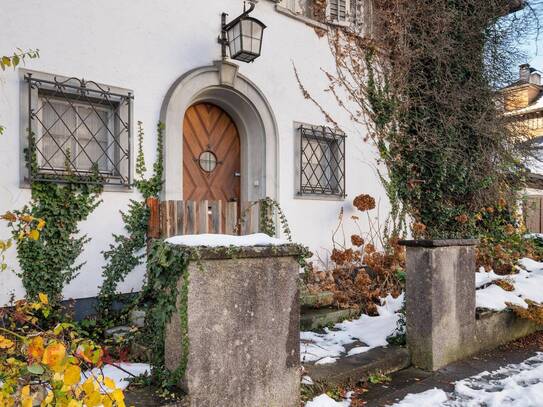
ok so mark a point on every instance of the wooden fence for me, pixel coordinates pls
(171, 218)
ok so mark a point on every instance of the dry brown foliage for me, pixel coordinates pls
(360, 275)
(505, 284)
(533, 313)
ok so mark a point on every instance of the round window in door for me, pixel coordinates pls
(207, 161)
(211, 155)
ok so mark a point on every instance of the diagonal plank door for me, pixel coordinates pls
(206, 127)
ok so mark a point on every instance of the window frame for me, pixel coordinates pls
(120, 134)
(352, 17)
(336, 140)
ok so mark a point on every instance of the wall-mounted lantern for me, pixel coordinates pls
(243, 36)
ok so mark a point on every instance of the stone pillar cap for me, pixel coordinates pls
(439, 242)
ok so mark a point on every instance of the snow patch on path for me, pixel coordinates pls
(372, 331)
(515, 385)
(326, 401)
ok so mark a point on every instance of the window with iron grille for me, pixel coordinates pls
(322, 161)
(78, 129)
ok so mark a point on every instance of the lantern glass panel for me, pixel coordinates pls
(234, 39)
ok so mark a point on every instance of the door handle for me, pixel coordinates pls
(237, 174)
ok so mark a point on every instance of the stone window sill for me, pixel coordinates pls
(333, 198)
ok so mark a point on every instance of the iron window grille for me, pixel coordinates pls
(322, 161)
(78, 130)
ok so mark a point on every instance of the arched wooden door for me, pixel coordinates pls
(211, 155)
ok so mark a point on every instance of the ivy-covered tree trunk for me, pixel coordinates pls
(425, 79)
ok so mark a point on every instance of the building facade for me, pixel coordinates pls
(524, 104)
(233, 130)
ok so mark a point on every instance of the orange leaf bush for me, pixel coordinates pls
(44, 367)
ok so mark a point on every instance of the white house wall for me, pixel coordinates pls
(146, 46)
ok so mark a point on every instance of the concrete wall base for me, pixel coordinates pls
(493, 329)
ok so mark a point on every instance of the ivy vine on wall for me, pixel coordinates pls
(50, 262)
(165, 266)
(125, 253)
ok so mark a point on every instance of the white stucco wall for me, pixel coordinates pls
(145, 46)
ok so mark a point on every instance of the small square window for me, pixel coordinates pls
(76, 128)
(322, 161)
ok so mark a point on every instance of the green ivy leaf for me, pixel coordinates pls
(36, 369)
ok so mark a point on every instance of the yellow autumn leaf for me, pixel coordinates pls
(110, 383)
(27, 402)
(34, 234)
(25, 391)
(106, 401)
(93, 399)
(43, 298)
(72, 375)
(89, 386)
(118, 396)
(54, 355)
(5, 343)
(48, 399)
(26, 218)
(35, 348)
(9, 216)
(74, 403)
(41, 224)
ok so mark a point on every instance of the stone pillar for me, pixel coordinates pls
(243, 328)
(440, 301)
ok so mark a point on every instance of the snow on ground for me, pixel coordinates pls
(120, 377)
(326, 401)
(516, 385)
(528, 284)
(327, 347)
(211, 240)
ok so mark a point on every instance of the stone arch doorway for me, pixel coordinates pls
(222, 86)
(211, 155)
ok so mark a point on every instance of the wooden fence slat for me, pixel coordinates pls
(191, 218)
(203, 217)
(231, 218)
(250, 220)
(216, 217)
(163, 218)
(172, 222)
(180, 212)
(153, 227)
(245, 218)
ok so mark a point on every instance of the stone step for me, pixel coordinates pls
(350, 370)
(314, 319)
(317, 300)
